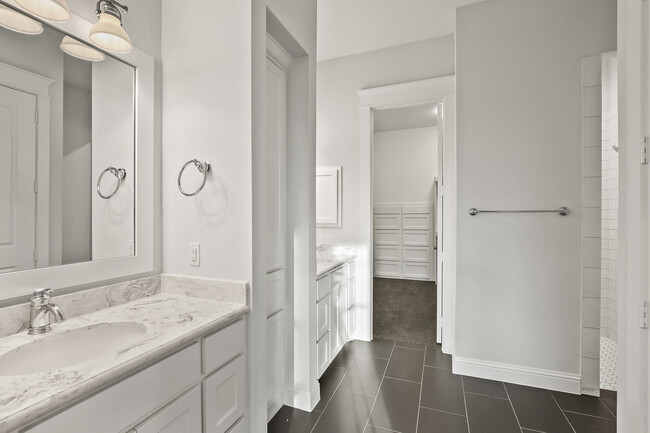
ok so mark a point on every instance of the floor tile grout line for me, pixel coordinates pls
(462, 385)
(533, 430)
(379, 389)
(606, 407)
(513, 408)
(439, 368)
(587, 414)
(443, 411)
(383, 428)
(563, 414)
(417, 420)
(411, 348)
(403, 380)
(336, 389)
(485, 395)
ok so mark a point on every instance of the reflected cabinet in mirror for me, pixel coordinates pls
(67, 151)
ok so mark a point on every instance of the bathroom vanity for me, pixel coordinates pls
(336, 311)
(162, 361)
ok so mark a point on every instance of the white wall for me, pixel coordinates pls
(519, 146)
(406, 164)
(214, 63)
(609, 226)
(337, 132)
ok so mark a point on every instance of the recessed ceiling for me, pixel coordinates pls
(415, 116)
(348, 27)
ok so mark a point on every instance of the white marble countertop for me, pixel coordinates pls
(331, 256)
(171, 322)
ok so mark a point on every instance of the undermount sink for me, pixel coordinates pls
(70, 348)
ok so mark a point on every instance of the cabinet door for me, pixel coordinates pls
(343, 314)
(181, 416)
(323, 316)
(335, 345)
(224, 397)
(323, 353)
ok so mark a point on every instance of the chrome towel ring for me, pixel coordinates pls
(119, 173)
(203, 167)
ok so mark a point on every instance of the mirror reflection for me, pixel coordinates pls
(66, 149)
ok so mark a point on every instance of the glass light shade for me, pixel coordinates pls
(81, 50)
(14, 20)
(108, 34)
(53, 10)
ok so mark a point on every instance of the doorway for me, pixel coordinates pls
(405, 203)
(440, 92)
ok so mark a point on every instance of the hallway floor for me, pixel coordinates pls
(386, 386)
(404, 310)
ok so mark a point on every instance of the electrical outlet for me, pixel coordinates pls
(195, 254)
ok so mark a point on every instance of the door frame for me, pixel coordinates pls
(39, 86)
(435, 90)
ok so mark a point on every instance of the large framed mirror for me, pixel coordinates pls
(76, 158)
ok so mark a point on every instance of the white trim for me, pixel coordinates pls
(22, 283)
(25, 80)
(435, 90)
(536, 377)
(303, 399)
(277, 54)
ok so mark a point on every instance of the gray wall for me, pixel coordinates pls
(519, 146)
(337, 112)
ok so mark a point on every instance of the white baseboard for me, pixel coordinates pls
(590, 390)
(273, 409)
(535, 377)
(303, 399)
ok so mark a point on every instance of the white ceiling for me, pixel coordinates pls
(348, 27)
(415, 116)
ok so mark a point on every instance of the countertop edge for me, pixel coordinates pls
(68, 397)
(334, 266)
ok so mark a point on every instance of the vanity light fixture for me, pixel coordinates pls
(108, 33)
(14, 20)
(53, 10)
(80, 50)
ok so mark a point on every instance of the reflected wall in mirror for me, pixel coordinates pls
(63, 122)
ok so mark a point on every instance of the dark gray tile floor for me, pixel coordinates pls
(404, 310)
(389, 386)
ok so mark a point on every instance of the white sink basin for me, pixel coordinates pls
(72, 347)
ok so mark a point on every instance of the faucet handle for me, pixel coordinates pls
(43, 293)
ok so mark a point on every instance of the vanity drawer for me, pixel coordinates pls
(121, 405)
(322, 287)
(323, 316)
(223, 345)
(338, 277)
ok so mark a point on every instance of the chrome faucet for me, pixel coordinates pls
(41, 311)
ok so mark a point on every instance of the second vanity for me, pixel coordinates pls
(336, 299)
(160, 362)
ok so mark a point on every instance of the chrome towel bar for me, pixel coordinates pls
(119, 173)
(562, 211)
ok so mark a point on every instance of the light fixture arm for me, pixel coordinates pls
(111, 7)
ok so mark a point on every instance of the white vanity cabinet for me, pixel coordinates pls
(336, 312)
(198, 389)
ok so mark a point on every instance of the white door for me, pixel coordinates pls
(17, 180)
(276, 109)
(438, 229)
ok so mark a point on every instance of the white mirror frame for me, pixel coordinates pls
(22, 283)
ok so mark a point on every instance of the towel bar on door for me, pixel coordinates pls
(562, 211)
